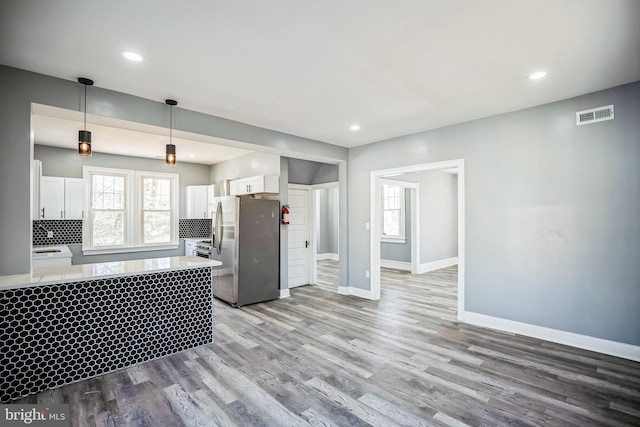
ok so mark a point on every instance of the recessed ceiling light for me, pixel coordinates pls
(132, 56)
(191, 155)
(537, 75)
(355, 128)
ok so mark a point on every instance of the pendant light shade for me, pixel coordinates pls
(170, 153)
(84, 136)
(170, 156)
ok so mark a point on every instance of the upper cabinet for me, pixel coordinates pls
(51, 198)
(255, 185)
(200, 200)
(61, 198)
(74, 198)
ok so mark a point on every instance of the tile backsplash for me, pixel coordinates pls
(194, 228)
(65, 232)
(69, 232)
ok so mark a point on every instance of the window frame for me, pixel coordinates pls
(139, 177)
(134, 239)
(400, 238)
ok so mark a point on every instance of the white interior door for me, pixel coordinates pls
(299, 244)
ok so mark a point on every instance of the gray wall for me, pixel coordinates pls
(306, 172)
(438, 216)
(284, 229)
(438, 195)
(20, 88)
(326, 173)
(327, 220)
(63, 162)
(400, 251)
(243, 167)
(552, 230)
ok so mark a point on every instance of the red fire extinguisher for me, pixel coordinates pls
(285, 214)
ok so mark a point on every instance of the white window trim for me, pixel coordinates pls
(138, 228)
(133, 207)
(403, 216)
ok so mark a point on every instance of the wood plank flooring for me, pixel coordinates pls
(318, 358)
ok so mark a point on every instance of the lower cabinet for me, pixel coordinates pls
(190, 247)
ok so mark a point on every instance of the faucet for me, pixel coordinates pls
(40, 226)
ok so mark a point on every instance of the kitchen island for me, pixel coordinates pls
(61, 325)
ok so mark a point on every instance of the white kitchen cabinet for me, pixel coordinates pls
(255, 185)
(199, 201)
(51, 197)
(74, 198)
(62, 198)
(233, 187)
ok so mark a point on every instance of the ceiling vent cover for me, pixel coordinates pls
(599, 114)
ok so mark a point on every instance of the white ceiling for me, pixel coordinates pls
(314, 68)
(58, 127)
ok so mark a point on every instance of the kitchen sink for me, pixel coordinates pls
(46, 251)
(50, 256)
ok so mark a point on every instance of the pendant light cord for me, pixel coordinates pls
(85, 107)
(170, 153)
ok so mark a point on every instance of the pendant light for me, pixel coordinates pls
(84, 136)
(170, 154)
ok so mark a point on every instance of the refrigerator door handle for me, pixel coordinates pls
(218, 229)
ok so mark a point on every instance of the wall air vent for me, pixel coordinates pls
(599, 114)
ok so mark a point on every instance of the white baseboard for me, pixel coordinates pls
(435, 265)
(356, 292)
(396, 265)
(284, 293)
(328, 255)
(600, 345)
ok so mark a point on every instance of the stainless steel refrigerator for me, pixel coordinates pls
(246, 239)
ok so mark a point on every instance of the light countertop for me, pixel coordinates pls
(80, 272)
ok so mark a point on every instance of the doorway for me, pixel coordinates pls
(325, 235)
(313, 244)
(299, 236)
(375, 225)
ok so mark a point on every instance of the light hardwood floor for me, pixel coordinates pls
(319, 358)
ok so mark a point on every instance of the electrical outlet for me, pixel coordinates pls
(366, 274)
(50, 234)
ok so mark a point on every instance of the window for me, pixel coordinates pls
(108, 210)
(130, 210)
(393, 216)
(157, 214)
